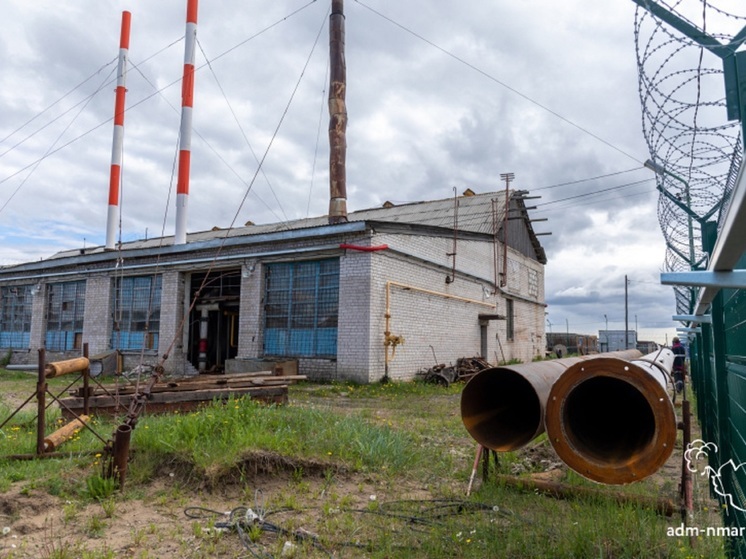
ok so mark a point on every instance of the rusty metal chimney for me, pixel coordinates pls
(337, 116)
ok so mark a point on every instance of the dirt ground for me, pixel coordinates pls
(153, 522)
(161, 521)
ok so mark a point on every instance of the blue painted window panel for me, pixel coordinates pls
(15, 340)
(65, 309)
(137, 311)
(57, 340)
(301, 308)
(135, 340)
(301, 342)
(15, 316)
(326, 341)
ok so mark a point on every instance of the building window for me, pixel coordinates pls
(15, 316)
(65, 307)
(509, 320)
(137, 312)
(301, 302)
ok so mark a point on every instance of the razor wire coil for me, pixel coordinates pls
(684, 122)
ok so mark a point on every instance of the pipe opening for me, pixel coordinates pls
(608, 420)
(501, 409)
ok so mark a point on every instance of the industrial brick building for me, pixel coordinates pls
(390, 292)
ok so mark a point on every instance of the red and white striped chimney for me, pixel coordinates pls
(185, 137)
(115, 176)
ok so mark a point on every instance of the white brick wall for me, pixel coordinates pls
(425, 316)
(173, 331)
(354, 330)
(425, 309)
(250, 311)
(97, 316)
(449, 325)
(38, 318)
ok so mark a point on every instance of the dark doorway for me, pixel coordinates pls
(213, 320)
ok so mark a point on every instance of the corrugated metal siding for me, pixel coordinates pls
(520, 236)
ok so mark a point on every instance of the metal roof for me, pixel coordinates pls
(475, 214)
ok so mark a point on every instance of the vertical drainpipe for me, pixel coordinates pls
(115, 175)
(185, 134)
(337, 116)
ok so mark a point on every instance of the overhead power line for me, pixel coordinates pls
(596, 192)
(500, 82)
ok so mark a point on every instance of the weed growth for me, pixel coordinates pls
(100, 488)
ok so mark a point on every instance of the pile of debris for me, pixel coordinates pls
(184, 394)
(465, 368)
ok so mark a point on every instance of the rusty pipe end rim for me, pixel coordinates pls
(610, 421)
(501, 409)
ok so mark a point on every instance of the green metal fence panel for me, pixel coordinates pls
(718, 366)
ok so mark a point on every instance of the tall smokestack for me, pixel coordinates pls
(115, 175)
(338, 116)
(185, 137)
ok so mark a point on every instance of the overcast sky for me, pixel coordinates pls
(441, 94)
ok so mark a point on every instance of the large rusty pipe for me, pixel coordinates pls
(612, 421)
(503, 407)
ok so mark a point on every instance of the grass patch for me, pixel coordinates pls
(358, 471)
(220, 436)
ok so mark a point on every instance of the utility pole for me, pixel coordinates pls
(626, 315)
(607, 332)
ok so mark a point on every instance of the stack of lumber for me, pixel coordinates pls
(182, 394)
